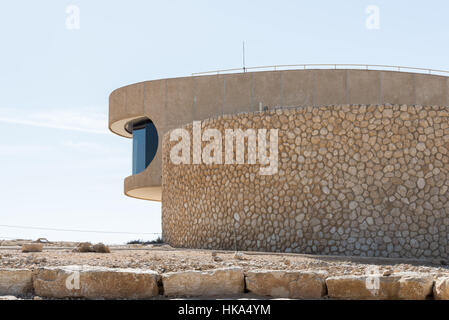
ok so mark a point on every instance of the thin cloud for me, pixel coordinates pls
(87, 146)
(23, 149)
(83, 120)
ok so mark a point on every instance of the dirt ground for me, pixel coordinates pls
(163, 258)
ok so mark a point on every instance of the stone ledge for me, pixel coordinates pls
(441, 289)
(16, 282)
(95, 283)
(217, 282)
(400, 286)
(287, 284)
(107, 283)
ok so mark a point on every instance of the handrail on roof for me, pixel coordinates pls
(335, 66)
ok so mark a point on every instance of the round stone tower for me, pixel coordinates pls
(361, 164)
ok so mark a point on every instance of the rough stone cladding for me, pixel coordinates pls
(364, 180)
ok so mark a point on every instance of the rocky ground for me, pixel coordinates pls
(163, 258)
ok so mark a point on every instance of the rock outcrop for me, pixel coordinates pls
(32, 247)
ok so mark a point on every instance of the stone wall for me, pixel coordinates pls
(352, 180)
(112, 283)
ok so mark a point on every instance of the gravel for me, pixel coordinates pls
(166, 259)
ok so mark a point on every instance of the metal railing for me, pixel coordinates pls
(324, 66)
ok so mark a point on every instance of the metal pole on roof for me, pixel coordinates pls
(244, 66)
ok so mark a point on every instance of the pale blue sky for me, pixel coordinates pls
(61, 167)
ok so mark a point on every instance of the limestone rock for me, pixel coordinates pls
(218, 282)
(421, 183)
(88, 247)
(415, 287)
(15, 282)
(32, 247)
(95, 283)
(441, 289)
(406, 286)
(239, 256)
(101, 248)
(4, 298)
(286, 284)
(84, 247)
(421, 146)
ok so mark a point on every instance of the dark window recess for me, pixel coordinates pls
(145, 142)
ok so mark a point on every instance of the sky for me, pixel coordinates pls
(61, 168)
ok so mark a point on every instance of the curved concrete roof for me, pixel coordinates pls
(171, 103)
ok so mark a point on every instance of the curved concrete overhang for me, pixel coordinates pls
(145, 184)
(171, 103)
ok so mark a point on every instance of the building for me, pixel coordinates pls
(362, 164)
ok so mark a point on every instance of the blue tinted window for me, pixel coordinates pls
(139, 163)
(145, 142)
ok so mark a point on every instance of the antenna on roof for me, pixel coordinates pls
(244, 66)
